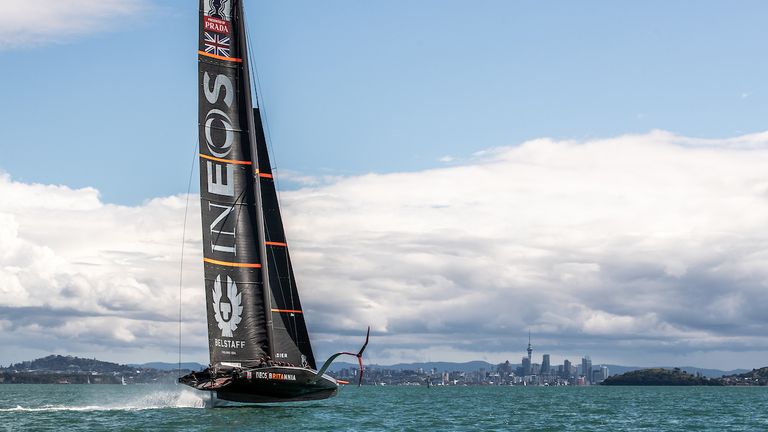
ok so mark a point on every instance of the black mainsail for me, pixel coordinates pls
(258, 340)
(234, 278)
(290, 336)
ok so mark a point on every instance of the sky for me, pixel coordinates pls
(452, 173)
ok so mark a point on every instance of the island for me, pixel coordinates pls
(57, 369)
(678, 377)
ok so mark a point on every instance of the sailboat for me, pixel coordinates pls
(258, 340)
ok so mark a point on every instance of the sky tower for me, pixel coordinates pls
(530, 348)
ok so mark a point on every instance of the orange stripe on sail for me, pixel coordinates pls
(287, 311)
(236, 162)
(218, 57)
(231, 264)
(265, 175)
(276, 244)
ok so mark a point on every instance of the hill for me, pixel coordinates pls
(755, 377)
(77, 370)
(660, 377)
(58, 363)
(711, 373)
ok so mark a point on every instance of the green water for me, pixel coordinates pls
(140, 408)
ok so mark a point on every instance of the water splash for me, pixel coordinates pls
(155, 400)
(48, 408)
(169, 399)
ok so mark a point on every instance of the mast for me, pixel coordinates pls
(256, 178)
(289, 340)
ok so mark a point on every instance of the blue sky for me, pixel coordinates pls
(453, 173)
(354, 87)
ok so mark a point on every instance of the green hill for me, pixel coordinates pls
(756, 377)
(660, 377)
(76, 370)
(58, 363)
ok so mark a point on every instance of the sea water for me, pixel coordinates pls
(177, 408)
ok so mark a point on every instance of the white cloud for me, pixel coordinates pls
(653, 239)
(32, 22)
(649, 247)
(93, 275)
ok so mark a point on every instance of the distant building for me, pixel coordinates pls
(604, 373)
(530, 349)
(546, 369)
(586, 369)
(599, 374)
(535, 369)
(595, 376)
(505, 369)
(525, 368)
(566, 369)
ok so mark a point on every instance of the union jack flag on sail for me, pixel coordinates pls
(217, 44)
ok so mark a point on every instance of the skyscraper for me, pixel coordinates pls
(546, 369)
(586, 369)
(526, 366)
(566, 369)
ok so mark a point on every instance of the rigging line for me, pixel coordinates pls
(268, 138)
(260, 104)
(183, 241)
(275, 177)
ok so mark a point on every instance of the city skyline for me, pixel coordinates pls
(451, 173)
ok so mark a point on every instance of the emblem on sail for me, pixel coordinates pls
(227, 306)
(218, 16)
(216, 44)
(221, 9)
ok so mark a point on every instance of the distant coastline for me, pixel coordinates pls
(57, 369)
(678, 377)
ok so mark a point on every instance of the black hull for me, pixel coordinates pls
(264, 385)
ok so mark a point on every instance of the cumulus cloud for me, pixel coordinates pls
(33, 22)
(632, 242)
(650, 245)
(78, 275)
